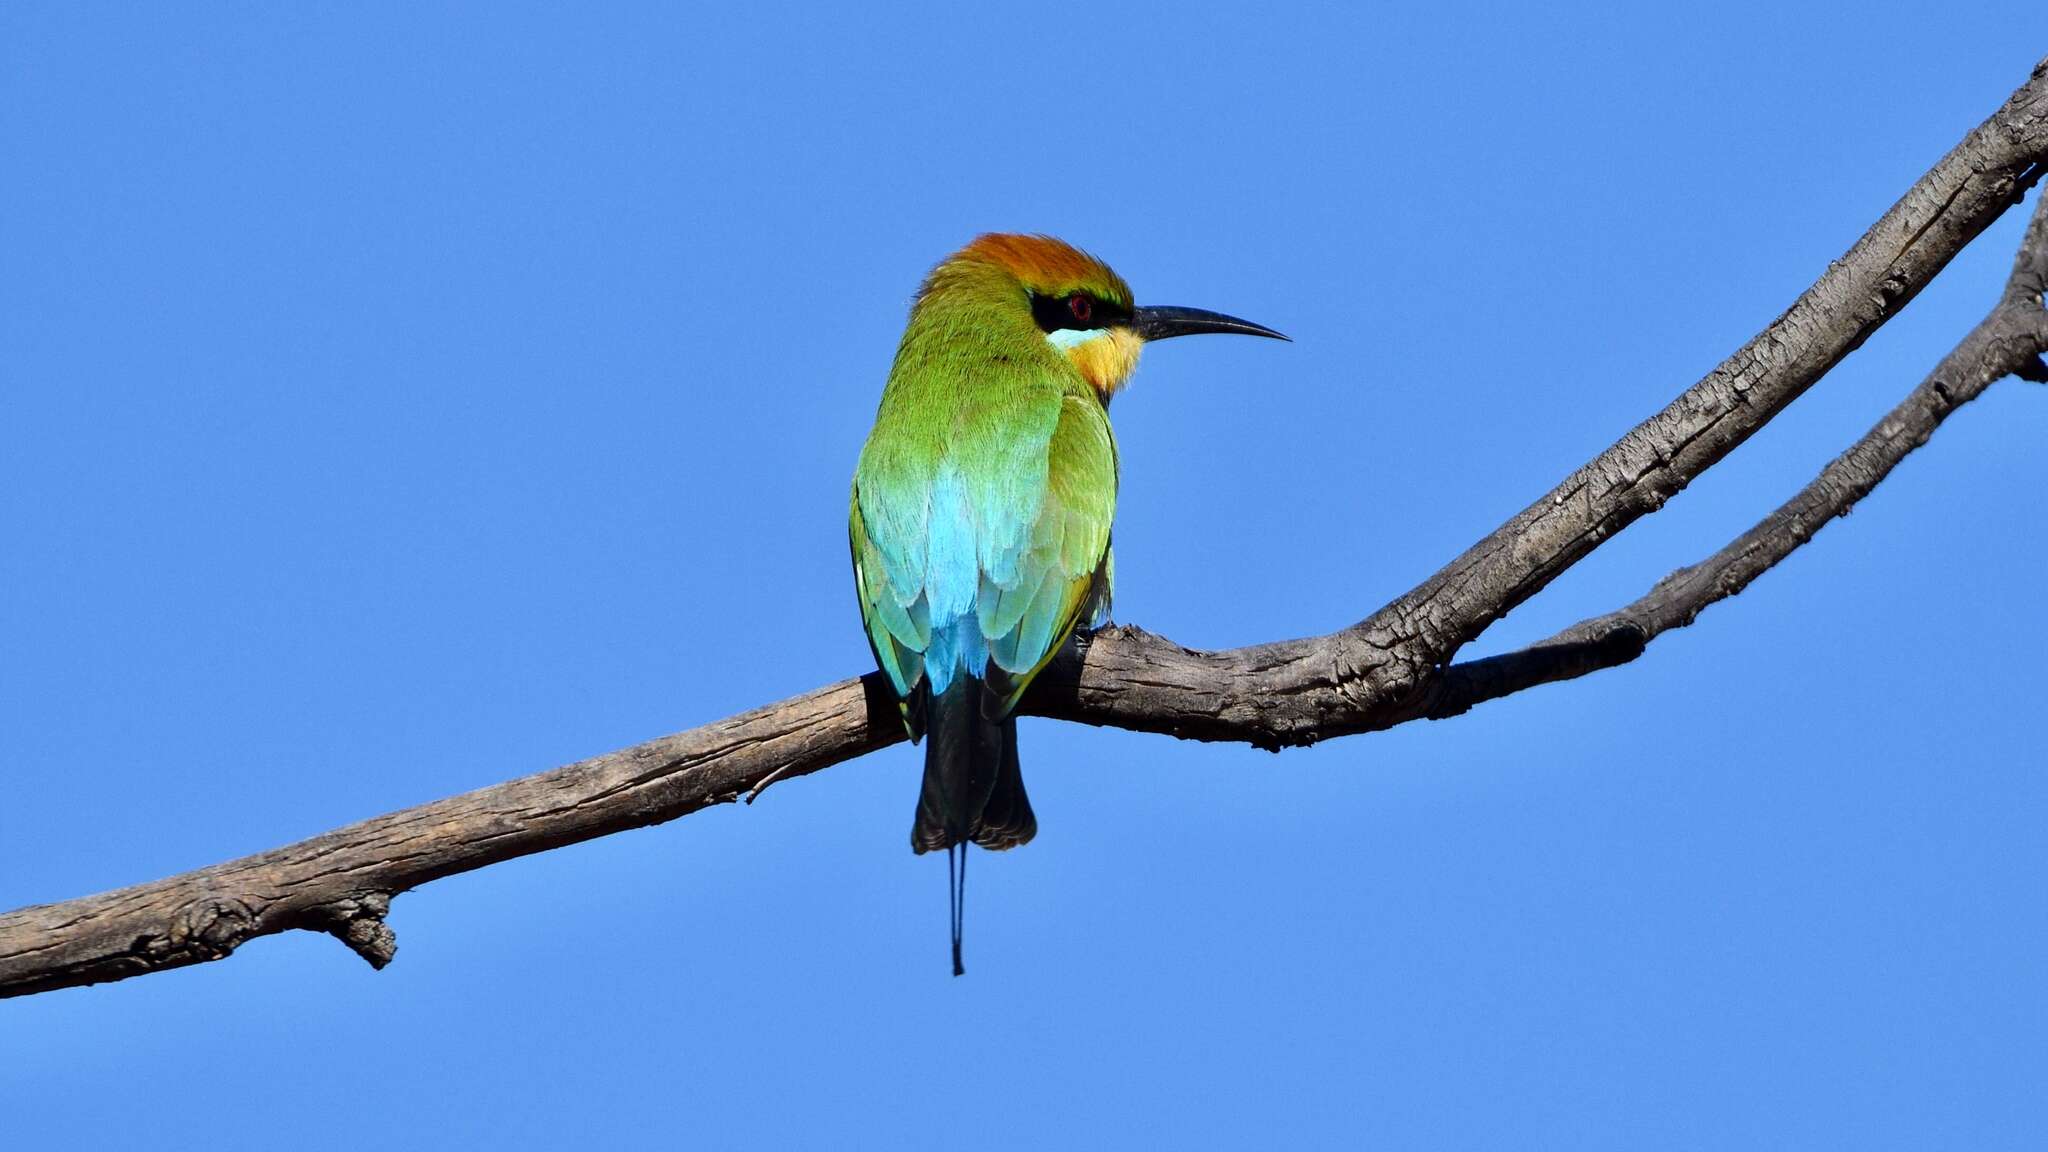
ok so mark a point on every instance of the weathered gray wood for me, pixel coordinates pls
(1381, 670)
(1387, 669)
(342, 882)
(2011, 341)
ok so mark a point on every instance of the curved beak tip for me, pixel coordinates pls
(1167, 321)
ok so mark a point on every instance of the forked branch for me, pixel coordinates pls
(1390, 668)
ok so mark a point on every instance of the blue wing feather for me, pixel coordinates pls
(979, 559)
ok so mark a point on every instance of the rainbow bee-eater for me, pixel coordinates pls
(982, 508)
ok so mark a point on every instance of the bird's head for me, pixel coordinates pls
(1043, 289)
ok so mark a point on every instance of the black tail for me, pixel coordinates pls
(973, 788)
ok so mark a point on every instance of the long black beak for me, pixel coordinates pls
(1168, 321)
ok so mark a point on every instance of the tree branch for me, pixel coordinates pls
(2011, 341)
(1380, 671)
(1387, 669)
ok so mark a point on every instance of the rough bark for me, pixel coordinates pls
(1392, 667)
(1379, 671)
(2008, 342)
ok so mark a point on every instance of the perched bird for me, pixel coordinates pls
(981, 510)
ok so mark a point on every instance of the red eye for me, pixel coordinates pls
(1081, 307)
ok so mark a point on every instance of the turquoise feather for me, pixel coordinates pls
(984, 496)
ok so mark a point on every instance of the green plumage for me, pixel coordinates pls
(980, 528)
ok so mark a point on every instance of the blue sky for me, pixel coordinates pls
(400, 400)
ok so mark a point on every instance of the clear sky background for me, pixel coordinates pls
(398, 401)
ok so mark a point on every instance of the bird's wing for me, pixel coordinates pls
(979, 555)
(1061, 575)
(898, 631)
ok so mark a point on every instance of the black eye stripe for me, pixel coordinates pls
(1062, 311)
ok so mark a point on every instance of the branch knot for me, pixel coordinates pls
(358, 921)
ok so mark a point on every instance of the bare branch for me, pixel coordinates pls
(1385, 670)
(342, 882)
(2009, 342)
(1380, 671)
